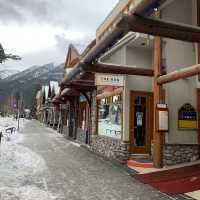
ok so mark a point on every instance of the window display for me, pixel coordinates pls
(109, 115)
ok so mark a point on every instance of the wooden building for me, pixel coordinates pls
(136, 89)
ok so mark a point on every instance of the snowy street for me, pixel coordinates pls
(38, 163)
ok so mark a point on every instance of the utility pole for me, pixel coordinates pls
(18, 108)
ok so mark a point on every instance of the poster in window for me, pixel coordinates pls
(109, 118)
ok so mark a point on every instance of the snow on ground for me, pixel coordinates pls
(20, 167)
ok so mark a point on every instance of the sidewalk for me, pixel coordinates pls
(174, 180)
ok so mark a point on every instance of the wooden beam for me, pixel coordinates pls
(179, 74)
(161, 28)
(158, 137)
(83, 87)
(83, 81)
(116, 69)
(146, 7)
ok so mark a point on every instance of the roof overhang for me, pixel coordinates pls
(137, 21)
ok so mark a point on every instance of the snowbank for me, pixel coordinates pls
(20, 167)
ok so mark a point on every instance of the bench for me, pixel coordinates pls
(10, 130)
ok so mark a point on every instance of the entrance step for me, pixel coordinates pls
(143, 158)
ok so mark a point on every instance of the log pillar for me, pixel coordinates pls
(198, 61)
(158, 137)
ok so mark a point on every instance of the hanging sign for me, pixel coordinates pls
(187, 117)
(163, 118)
(109, 80)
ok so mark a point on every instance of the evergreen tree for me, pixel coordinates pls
(34, 105)
(4, 56)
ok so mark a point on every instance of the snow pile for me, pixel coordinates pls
(25, 193)
(7, 122)
(16, 161)
(20, 168)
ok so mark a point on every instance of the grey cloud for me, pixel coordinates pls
(76, 14)
(62, 43)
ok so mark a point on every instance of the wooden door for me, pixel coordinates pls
(141, 122)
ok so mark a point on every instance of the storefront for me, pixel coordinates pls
(154, 73)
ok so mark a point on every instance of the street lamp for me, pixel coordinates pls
(18, 112)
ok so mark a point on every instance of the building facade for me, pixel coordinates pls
(131, 92)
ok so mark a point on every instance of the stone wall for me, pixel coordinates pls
(110, 147)
(180, 153)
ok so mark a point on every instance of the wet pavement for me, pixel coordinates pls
(46, 166)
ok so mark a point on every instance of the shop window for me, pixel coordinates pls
(110, 117)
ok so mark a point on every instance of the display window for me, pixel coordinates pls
(110, 117)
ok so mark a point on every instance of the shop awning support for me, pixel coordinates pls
(158, 27)
(179, 74)
(116, 69)
(81, 87)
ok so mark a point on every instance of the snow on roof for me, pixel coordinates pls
(45, 88)
(55, 85)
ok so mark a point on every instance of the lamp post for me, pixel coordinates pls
(18, 109)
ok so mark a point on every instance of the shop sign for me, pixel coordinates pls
(109, 80)
(187, 117)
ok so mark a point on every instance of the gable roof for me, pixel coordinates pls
(72, 56)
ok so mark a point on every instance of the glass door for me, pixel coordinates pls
(141, 122)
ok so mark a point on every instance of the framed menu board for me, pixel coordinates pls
(163, 118)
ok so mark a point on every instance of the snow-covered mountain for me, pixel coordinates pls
(30, 79)
(7, 72)
(33, 72)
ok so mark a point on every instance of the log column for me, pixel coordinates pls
(158, 137)
(198, 61)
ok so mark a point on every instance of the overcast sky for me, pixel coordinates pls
(40, 30)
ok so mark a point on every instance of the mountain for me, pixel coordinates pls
(29, 80)
(32, 73)
(7, 72)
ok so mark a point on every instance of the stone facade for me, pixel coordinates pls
(180, 153)
(110, 147)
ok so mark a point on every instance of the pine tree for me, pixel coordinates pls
(4, 56)
(34, 105)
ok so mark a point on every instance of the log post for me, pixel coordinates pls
(158, 97)
(198, 61)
